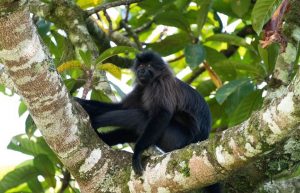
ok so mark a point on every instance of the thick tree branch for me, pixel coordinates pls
(281, 162)
(66, 131)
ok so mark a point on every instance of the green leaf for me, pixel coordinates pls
(72, 84)
(217, 111)
(223, 6)
(237, 96)
(114, 51)
(182, 4)
(250, 103)
(173, 18)
(170, 44)
(86, 58)
(240, 7)
(43, 26)
(206, 87)
(262, 12)
(22, 108)
(99, 95)
(119, 91)
(229, 69)
(35, 185)
(112, 69)
(153, 7)
(202, 14)
(60, 49)
(230, 39)
(84, 4)
(213, 56)
(46, 167)
(269, 56)
(30, 126)
(33, 146)
(2, 89)
(194, 55)
(23, 173)
(229, 88)
(225, 70)
(72, 64)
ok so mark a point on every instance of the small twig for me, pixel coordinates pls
(98, 16)
(163, 32)
(213, 75)
(112, 4)
(140, 29)
(195, 74)
(127, 14)
(110, 30)
(176, 59)
(88, 84)
(132, 34)
(65, 181)
(144, 27)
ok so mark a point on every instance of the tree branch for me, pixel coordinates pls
(132, 34)
(66, 131)
(112, 4)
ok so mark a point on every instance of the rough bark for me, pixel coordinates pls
(67, 132)
(283, 186)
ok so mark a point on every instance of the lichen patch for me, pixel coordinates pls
(223, 157)
(91, 161)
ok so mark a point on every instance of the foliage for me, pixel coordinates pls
(188, 33)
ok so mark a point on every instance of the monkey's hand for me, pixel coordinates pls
(137, 164)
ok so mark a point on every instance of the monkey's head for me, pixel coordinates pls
(148, 67)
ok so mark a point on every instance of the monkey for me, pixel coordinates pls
(160, 111)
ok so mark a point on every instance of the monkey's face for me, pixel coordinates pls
(145, 73)
(148, 67)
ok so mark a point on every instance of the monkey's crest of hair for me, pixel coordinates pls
(153, 58)
(148, 56)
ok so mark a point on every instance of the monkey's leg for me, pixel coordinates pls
(96, 108)
(134, 119)
(151, 134)
(118, 136)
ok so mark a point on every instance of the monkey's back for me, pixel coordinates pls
(193, 103)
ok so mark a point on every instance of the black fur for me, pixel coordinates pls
(161, 111)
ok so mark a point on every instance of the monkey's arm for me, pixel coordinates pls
(153, 131)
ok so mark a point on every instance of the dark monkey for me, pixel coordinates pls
(161, 110)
